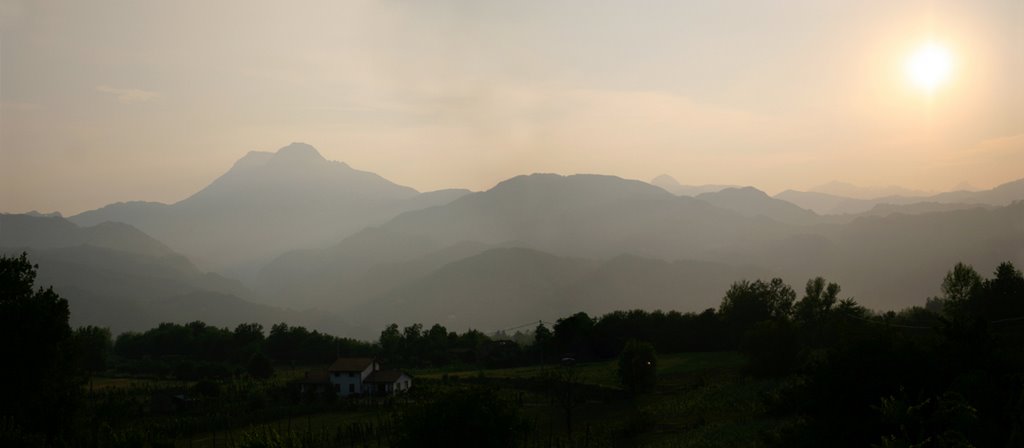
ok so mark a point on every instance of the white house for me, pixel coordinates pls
(350, 376)
(383, 382)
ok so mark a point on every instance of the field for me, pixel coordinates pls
(701, 400)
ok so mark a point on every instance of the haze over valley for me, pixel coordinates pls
(291, 236)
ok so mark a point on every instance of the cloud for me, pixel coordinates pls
(129, 96)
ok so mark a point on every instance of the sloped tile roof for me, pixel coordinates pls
(350, 364)
(383, 376)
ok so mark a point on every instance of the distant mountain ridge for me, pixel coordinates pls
(50, 231)
(593, 219)
(356, 251)
(270, 203)
(488, 290)
(673, 186)
(749, 201)
(830, 204)
(846, 189)
(116, 276)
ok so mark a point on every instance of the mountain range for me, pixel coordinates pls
(316, 242)
(115, 276)
(825, 203)
(269, 203)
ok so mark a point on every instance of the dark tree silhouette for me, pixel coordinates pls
(259, 366)
(542, 341)
(747, 303)
(40, 383)
(960, 284)
(638, 366)
(573, 335)
(93, 345)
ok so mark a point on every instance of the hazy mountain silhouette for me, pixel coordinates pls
(823, 203)
(490, 290)
(893, 261)
(673, 186)
(589, 218)
(114, 275)
(1001, 195)
(532, 247)
(918, 208)
(827, 204)
(485, 291)
(849, 190)
(47, 232)
(749, 201)
(269, 203)
(581, 216)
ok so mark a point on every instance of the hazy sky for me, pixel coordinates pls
(104, 101)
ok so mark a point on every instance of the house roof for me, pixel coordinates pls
(384, 376)
(316, 377)
(350, 364)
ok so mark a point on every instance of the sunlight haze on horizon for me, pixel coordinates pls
(112, 101)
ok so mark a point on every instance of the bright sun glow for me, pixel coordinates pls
(930, 66)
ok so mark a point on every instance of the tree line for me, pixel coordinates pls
(949, 373)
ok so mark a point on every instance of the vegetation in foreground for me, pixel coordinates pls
(810, 372)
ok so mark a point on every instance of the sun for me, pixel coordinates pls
(930, 66)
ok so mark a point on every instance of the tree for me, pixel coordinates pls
(542, 338)
(390, 341)
(247, 339)
(638, 366)
(436, 342)
(747, 303)
(1001, 297)
(958, 287)
(259, 366)
(817, 302)
(40, 384)
(93, 345)
(573, 335)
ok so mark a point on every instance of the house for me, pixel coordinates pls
(356, 376)
(383, 382)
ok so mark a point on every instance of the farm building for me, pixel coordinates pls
(356, 376)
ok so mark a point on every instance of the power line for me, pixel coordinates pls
(915, 327)
(874, 321)
(534, 322)
(1010, 319)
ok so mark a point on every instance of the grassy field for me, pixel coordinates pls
(102, 382)
(701, 400)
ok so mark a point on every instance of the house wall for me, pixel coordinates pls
(348, 383)
(403, 384)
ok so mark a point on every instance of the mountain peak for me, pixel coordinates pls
(299, 151)
(744, 192)
(665, 180)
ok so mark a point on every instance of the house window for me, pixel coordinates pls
(351, 374)
(337, 388)
(351, 388)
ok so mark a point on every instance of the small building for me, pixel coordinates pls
(356, 376)
(317, 381)
(383, 382)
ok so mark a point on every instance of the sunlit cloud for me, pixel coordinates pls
(129, 96)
